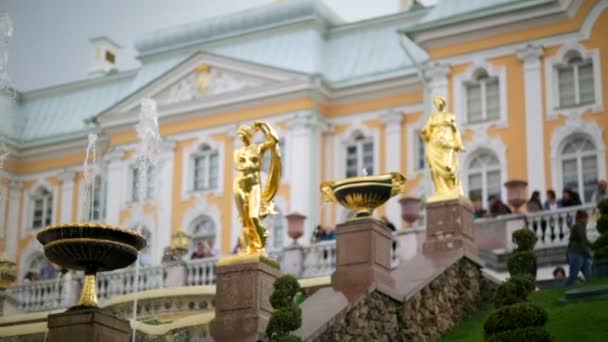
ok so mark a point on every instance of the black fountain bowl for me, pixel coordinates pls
(90, 254)
(91, 246)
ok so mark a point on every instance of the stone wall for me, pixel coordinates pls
(429, 313)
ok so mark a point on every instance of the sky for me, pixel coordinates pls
(50, 43)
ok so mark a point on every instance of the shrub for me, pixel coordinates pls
(529, 334)
(525, 239)
(522, 263)
(513, 291)
(515, 316)
(287, 316)
(602, 207)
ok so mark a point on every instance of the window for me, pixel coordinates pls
(420, 148)
(99, 201)
(359, 156)
(203, 231)
(206, 169)
(149, 179)
(276, 226)
(575, 81)
(482, 98)
(110, 57)
(42, 203)
(483, 176)
(580, 166)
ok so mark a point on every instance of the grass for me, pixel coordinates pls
(580, 322)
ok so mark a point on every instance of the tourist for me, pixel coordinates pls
(534, 203)
(559, 273)
(318, 235)
(388, 224)
(579, 248)
(31, 277)
(570, 198)
(200, 252)
(168, 255)
(497, 207)
(600, 193)
(48, 271)
(480, 212)
(329, 235)
(551, 203)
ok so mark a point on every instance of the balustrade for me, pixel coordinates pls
(39, 295)
(319, 259)
(201, 272)
(552, 227)
(121, 282)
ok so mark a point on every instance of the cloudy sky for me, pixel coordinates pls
(50, 39)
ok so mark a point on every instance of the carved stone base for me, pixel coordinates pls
(363, 248)
(87, 324)
(449, 226)
(242, 301)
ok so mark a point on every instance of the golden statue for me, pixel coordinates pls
(253, 202)
(443, 140)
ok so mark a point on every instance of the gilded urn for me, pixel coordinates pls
(364, 194)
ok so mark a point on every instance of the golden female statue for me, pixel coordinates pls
(443, 140)
(253, 202)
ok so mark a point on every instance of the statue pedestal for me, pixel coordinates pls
(449, 226)
(242, 299)
(363, 256)
(87, 324)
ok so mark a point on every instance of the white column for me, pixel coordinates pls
(67, 196)
(392, 156)
(530, 56)
(304, 158)
(330, 135)
(164, 180)
(437, 76)
(14, 208)
(115, 183)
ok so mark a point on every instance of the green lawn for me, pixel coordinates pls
(586, 321)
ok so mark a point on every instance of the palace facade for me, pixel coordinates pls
(527, 80)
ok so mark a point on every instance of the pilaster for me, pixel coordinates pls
(115, 186)
(437, 75)
(392, 155)
(530, 56)
(164, 180)
(305, 133)
(67, 195)
(14, 208)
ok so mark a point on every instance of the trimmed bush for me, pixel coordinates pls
(525, 239)
(529, 334)
(287, 316)
(515, 316)
(602, 207)
(602, 224)
(513, 291)
(522, 263)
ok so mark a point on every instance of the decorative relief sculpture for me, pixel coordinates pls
(443, 141)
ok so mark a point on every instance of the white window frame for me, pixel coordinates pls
(561, 135)
(201, 208)
(483, 171)
(150, 186)
(358, 141)
(205, 153)
(47, 200)
(413, 151)
(579, 162)
(203, 237)
(188, 162)
(460, 95)
(552, 64)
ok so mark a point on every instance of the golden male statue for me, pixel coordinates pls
(253, 202)
(443, 140)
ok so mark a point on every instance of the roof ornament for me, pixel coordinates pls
(6, 32)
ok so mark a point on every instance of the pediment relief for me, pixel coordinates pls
(205, 80)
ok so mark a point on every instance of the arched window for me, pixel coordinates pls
(359, 155)
(579, 165)
(203, 230)
(483, 177)
(575, 81)
(276, 227)
(206, 168)
(149, 193)
(42, 208)
(482, 97)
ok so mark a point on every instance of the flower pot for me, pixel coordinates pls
(295, 226)
(410, 209)
(516, 193)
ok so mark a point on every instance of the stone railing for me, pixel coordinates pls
(319, 259)
(552, 227)
(39, 296)
(201, 271)
(121, 282)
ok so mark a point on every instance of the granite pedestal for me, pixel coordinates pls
(87, 324)
(242, 301)
(363, 255)
(449, 226)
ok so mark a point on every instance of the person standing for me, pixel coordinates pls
(600, 193)
(551, 202)
(579, 249)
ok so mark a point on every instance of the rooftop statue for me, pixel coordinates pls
(443, 141)
(254, 199)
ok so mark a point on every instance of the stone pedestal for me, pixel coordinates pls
(242, 301)
(88, 324)
(449, 226)
(8, 305)
(363, 255)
